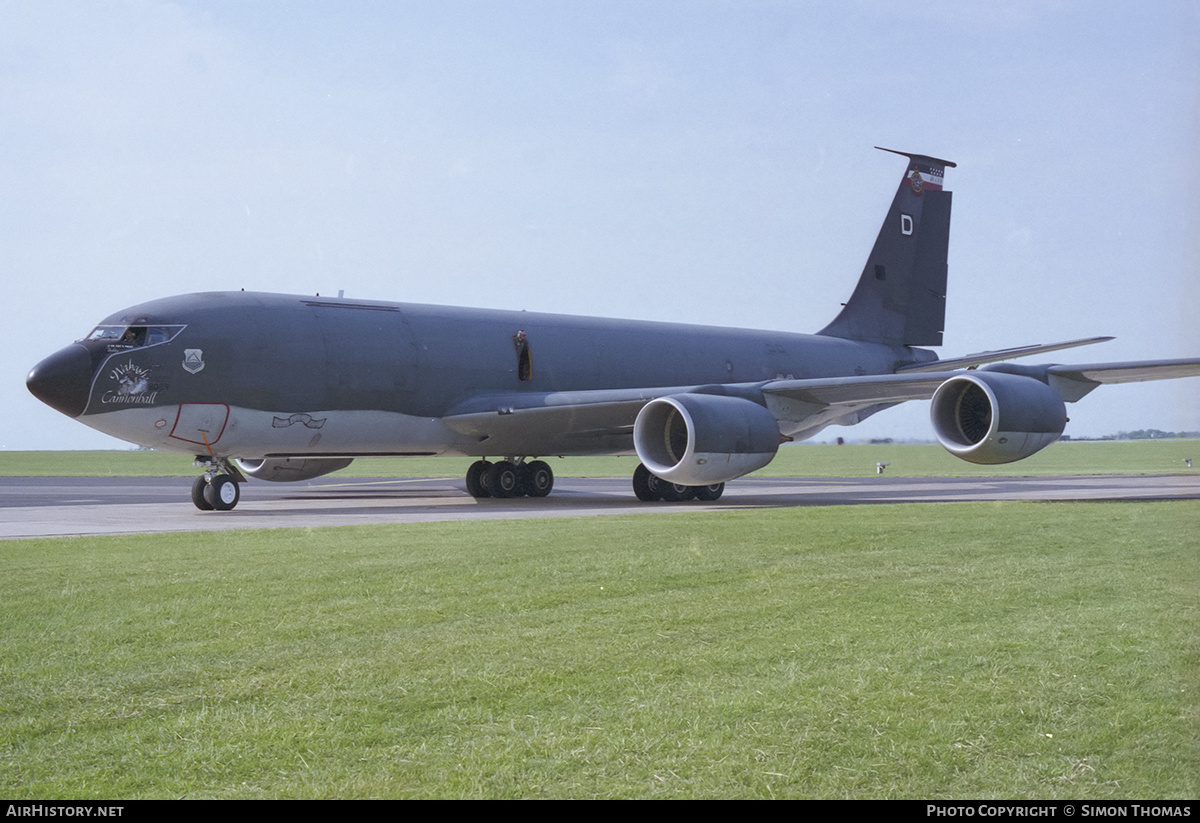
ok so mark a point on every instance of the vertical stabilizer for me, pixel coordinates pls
(900, 299)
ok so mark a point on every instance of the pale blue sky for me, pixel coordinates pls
(705, 162)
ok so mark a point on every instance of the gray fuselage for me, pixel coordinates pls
(269, 359)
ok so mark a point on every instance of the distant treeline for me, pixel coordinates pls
(1149, 434)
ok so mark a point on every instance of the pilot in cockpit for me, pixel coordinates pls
(134, 336)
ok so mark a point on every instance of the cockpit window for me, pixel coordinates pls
(134, 336)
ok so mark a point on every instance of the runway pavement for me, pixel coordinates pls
(63, 506)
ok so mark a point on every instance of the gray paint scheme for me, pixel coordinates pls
(255, 375)
(276, 352)
(901, 295)
(291, 355)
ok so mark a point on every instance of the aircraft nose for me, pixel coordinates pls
(63, 380)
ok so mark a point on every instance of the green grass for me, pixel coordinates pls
(1092, 457)
(934, 651)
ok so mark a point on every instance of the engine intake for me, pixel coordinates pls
(993, 417)
(704, 439)
(291, 469)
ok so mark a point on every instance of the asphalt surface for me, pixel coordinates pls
(63, 506)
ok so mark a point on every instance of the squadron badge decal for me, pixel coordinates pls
(916, 181)
(193, 360)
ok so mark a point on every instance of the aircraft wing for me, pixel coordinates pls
(575, 422)
(602, 420)
(1071, 381)
(1129, 372)
(879, 388)
(614, 410)
(1074, 381)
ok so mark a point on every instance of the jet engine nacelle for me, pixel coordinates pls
(703, 439)
(289, 469)
(993, 417)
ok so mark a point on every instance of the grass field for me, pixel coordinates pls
(1091, 457)
(1012, 650)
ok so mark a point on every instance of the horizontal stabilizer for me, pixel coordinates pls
(980, 358)
(930, 169)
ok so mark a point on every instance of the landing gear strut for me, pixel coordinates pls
(649, 487)
(509, 478)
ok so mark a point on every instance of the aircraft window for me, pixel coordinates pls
(106, 333)
(134, 336)
(157, 334)
(524, 360)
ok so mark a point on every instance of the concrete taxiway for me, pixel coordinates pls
(64, 506)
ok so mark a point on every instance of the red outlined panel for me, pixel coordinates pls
(200, 423)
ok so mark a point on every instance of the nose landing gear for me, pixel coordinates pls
(217, 489)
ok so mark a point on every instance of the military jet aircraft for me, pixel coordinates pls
(281, 387)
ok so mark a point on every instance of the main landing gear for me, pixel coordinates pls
(649, 487)
(509, 478)
(217, 489)
(516, 478)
